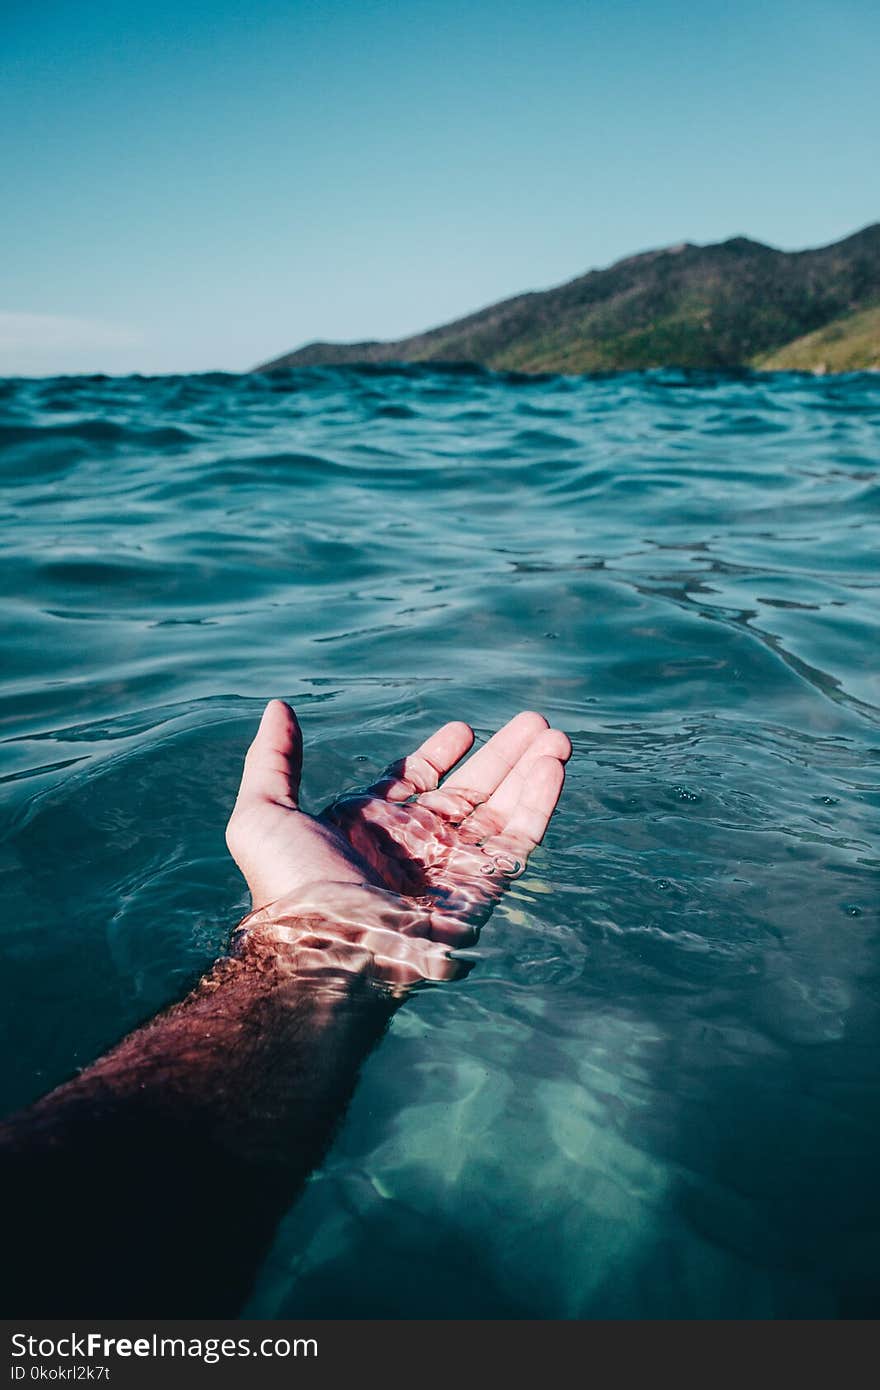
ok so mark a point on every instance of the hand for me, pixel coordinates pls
(407, 867)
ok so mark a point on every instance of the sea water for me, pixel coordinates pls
(657, 1093)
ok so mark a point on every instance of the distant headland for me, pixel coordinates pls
(735, 304)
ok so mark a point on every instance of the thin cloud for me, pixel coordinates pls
(37, 343)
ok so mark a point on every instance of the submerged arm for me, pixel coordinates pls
(152, 1183)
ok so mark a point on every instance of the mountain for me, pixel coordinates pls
(734, 304)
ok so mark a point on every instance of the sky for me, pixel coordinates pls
(203, 185)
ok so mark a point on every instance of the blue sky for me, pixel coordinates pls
(201, 185)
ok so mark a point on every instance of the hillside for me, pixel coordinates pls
(738, 303)
(848, 344)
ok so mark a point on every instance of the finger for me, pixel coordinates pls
(483, 772)
(421, 771)
(502, 803)
(530, 817)
(273, 764)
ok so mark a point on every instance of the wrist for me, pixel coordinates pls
(348, 931)
(288, 940)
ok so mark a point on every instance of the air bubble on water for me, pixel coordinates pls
(829, 800)
(852, 909)
(507, 864)
(684, 794)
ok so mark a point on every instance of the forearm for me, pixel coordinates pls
(152, 1183)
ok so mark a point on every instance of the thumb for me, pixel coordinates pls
(273, 765)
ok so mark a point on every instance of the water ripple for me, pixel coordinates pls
(656, 1096)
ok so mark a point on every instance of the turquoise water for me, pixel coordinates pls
(657, 1094)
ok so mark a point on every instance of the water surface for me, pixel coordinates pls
(657, 1095)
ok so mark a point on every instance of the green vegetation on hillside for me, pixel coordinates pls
(736, 304)
(849, 344)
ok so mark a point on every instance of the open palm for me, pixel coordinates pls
(410, 866)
